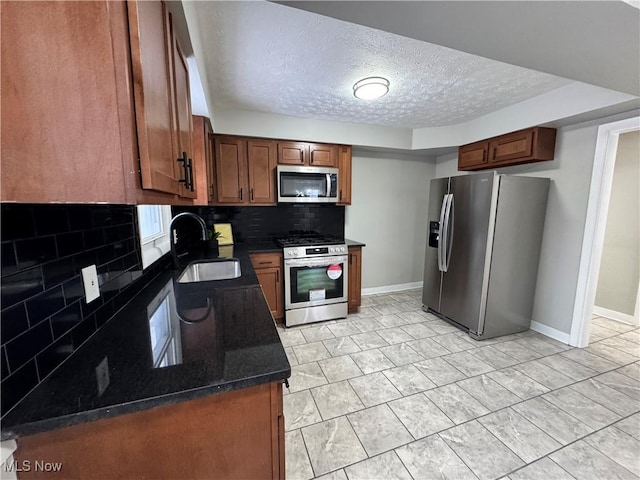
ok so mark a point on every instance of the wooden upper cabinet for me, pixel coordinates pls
(513, 146)
(524, 146)
(150, 33)
(344, 175)
(66, 118)
(183, 122)
(310, 154)
(162, 101)
(293, 153)
(211, 167)
(245, 168)
(261, 165)
(202, 141)
(321, 155)
(89, 103)
(231, 169)
(473, 155)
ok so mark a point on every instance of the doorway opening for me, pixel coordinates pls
(602, 177)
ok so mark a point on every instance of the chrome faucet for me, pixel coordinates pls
(199, 219)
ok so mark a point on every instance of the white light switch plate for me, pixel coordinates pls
(90, 282)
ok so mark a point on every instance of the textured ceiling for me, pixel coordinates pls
(271, 58)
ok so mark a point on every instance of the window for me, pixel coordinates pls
(153, 225)
(164, 329)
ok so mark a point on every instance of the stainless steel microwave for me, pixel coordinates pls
(298, 184)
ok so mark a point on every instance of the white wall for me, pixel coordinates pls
(620, 264)
(388, 212)
(570, 174)
(270, 125)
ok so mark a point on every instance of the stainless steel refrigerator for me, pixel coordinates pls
(483, 248)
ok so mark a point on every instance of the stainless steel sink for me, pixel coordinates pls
(205, 271)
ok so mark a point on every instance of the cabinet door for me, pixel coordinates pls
(231, 169)
(65, 102)
(271, 282)
(211, 169)
(293, 153)
(514, 146)
(202, 158)
(323, 155)
(473, 155)
(262, 160)
(355, 279)
(344, 175)
(150, 35)
(183, 126)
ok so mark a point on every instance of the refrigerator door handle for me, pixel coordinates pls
(441, 244)
(450, 223)
(444, 232)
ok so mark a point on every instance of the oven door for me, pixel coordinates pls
(315, 281)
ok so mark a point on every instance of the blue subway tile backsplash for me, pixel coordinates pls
(44, 315)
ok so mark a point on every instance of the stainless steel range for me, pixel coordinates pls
(315, 278)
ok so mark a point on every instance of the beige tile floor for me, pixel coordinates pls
(396, 393)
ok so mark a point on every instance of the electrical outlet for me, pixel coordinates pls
(90, 282)
(102, 375)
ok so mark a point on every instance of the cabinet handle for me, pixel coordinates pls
(251, 194)
(264, 263)
(350, 257)
(340, 194)
(494, 152)
(484, 156)
(241, 194)
(185, 166)
(277, 276)
(191, 184)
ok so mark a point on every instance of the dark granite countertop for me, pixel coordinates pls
(354, 243)
(172, 343)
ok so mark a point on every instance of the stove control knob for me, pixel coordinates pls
(342, 249)
(292, 252)
(332, 250)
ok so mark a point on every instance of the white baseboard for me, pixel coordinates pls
(391, 288)
(613, 315)
(550, 332)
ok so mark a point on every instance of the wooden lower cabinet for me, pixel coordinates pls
(355, 279)
(232, 435)
(268, 268)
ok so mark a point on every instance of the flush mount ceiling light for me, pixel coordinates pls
(371, 88)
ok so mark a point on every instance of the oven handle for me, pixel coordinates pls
(315, 262)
